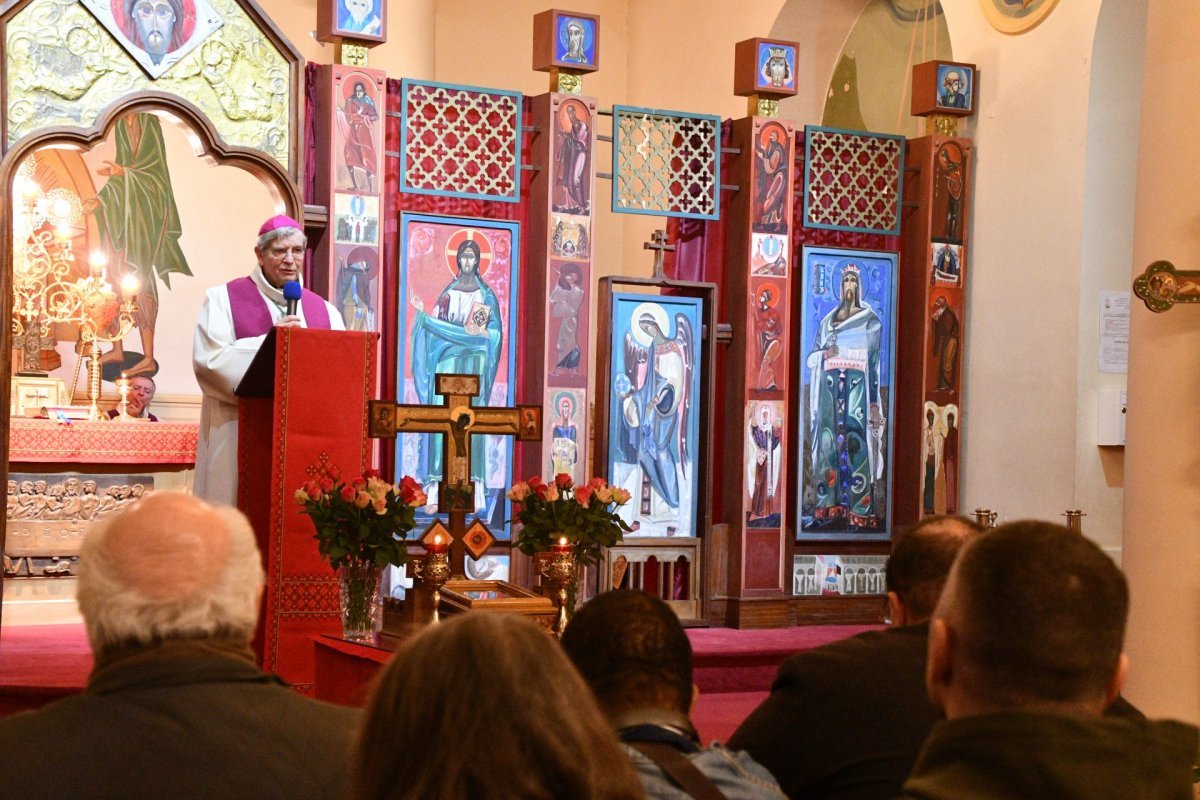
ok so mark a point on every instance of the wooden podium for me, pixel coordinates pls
(302, 409)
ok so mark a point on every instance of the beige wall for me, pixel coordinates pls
(1162, 505)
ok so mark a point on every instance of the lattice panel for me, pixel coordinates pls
(460, 141)
(853, 180)
(666, 163)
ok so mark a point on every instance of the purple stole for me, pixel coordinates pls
(252, 317)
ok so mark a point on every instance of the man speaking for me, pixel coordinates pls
(234, 320)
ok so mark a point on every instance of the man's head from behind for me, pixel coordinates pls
(920, 563)
(171, 567)
(632, 652)
(1033, 616)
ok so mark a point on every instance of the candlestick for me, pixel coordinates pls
(437, 545)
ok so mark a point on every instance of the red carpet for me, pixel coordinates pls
(733, 668)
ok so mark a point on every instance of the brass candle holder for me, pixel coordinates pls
(559, 569)
(1074, 519)
(123, 389)
(434, 571)
(985, 517)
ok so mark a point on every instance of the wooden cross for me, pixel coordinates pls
(457, 420)
(658, 243)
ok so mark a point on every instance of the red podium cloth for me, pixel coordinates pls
(316, 420)
(44, 440)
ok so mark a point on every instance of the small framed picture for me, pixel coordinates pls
(944, 87)
(765, 66)
(566, 40)
(357, 20)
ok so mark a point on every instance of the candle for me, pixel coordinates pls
(562, 547)
(129, 286)
(436, 545)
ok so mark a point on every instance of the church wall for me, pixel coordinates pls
(1162, 498)
(1020, 381)
(1113, 119)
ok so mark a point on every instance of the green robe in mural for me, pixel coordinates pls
(137, 214)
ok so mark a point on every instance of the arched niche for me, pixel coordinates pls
(260, 183)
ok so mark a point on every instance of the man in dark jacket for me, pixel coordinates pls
(636, 658)
(175, 706)
(1025, 654)
(870, 687)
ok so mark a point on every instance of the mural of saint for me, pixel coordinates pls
(776, 71)
(763, 454)
(653, 420)
(357, 121)
(155, 33)
(564, 446)
(772, 186)
(933, 439)
(846, 421)
(355, 292)
(955, 92)
(950, 459)
(948, 189)
(944, 347)
(572, 152)
(138, 220)
(565, 300)
(462, 332)
(768, 329)
(575, 38)
(360, 16)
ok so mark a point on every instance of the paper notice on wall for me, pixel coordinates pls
(1114, 332)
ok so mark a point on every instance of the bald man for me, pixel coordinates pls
(870, 687)
(175, 706)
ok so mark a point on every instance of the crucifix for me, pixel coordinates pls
(658, 243)
(457, 420)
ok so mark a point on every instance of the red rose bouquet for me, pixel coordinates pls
(585, 516)
(364, 520)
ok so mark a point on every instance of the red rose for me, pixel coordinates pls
(535, 482)
(348, 493)
(359, 483)
(371, 473)
(408, 485)
(583, 495)
(326, 483)
(562, 480)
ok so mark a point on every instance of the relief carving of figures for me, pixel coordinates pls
(76, 498)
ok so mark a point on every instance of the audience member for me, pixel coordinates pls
(632, 651)
(486, 707)
(175, 707)
(847, 720)
(1025, 653)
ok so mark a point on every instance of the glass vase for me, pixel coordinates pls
(360, 600)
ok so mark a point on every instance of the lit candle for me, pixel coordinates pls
(129, 286)
(562, 547)
(97, 261)
(437, 545)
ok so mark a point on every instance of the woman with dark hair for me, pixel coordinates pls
(487, 706)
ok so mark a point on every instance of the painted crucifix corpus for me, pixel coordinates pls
(457, 420)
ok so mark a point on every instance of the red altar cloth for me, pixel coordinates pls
(44, 440)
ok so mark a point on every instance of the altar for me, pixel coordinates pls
(62, 476)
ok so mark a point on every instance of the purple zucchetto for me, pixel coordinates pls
(279, 221)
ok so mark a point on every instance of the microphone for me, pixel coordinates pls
(291, 293)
